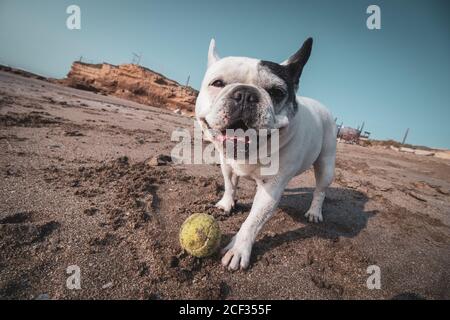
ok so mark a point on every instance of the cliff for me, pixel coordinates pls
(132, 82)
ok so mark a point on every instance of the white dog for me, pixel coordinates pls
(245, 93)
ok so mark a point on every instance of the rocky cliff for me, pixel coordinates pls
(132, 82)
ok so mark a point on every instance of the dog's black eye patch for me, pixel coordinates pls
(276, 94)
(282, 73)
(278, 70)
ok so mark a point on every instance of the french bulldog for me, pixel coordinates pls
(246, 93)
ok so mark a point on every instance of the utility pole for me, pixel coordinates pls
(361, 129)
(339, 127)
(406, 134)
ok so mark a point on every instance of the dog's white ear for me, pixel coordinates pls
(213, 57)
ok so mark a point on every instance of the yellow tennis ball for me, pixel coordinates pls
(200, 235)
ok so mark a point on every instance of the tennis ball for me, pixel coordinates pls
(200, 235)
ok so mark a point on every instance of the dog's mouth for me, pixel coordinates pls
(229, 133)
(237, 136)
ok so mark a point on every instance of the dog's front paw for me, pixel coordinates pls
(314, 215)
(226, 204)
(237, 254)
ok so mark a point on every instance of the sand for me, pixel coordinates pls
(77, 188)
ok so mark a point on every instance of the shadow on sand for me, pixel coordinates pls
(343, 213)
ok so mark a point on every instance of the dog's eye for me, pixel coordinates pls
(218, 83)
(276, 93)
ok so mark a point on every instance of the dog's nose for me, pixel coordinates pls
(245, 95)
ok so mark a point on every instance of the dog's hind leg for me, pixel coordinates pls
(324, 173)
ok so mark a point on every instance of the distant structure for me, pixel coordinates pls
(351, 135)
(136, 58)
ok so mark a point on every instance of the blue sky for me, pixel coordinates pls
(393, 78)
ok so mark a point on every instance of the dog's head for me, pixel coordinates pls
(245, 93)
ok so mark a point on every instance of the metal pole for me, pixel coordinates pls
(361, 130)
(406, 134)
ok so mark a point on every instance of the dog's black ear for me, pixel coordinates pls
(298, 60)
